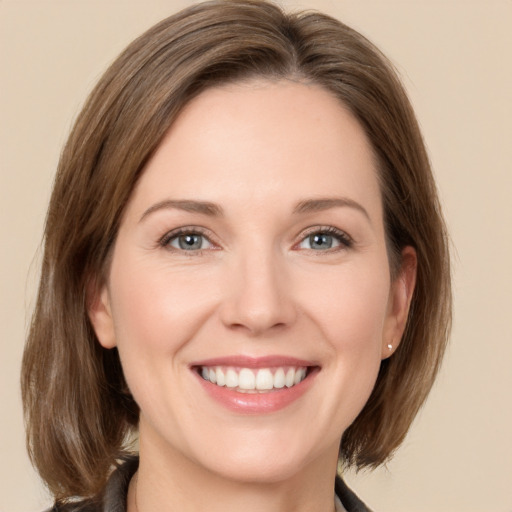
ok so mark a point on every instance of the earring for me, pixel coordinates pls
(390, 347)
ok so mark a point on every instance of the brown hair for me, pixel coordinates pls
(77, 406)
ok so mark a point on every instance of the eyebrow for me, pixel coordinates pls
(214, 210)
(202, 207)
(321, 204)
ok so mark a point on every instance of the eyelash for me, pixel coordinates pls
(187, 230)
(345, 241)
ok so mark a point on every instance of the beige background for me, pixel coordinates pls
(456, 60)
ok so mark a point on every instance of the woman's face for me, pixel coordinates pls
(249, 293)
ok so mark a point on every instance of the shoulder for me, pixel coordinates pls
(113, 498)
(84, 506)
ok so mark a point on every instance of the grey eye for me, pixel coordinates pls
(190, 242)
(319, 242)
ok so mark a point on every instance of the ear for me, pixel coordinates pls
(100, 314)
(400, 298)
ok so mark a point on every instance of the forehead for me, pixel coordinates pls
(261, 141)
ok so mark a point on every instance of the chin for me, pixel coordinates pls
(263, 459)
(271, 470)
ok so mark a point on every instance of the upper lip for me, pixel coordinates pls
(255, 362)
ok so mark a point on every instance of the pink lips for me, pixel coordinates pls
(256, 403)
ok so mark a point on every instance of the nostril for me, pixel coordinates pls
(255, 328)
(257, 303)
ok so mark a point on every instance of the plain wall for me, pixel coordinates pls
(455, 57)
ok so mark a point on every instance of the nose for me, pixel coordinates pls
(258, 296)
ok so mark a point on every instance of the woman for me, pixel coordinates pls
(245, 263)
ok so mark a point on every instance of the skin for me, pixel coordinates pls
(258, 287)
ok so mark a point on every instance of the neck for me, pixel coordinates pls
(168, 482)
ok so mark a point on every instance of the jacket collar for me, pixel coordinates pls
(116, 492)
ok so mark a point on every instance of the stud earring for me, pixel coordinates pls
(390, 347)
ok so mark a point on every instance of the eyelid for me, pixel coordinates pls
(186, 230)
(346, 241)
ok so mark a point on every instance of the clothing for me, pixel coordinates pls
(114, 498)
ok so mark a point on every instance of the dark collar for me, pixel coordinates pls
(348, 498)
(116, 491)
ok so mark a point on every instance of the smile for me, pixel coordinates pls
(261, 385)
(253, 380)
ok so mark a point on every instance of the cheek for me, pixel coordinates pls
(156, 310)
(352, 315)
(155, 315)
(353, 307)
(348, 314)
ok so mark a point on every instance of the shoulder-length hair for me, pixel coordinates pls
(78, 409)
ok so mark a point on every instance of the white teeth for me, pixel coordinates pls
(231, 378)
(290, 377)
(264, 379)
(247, 379)
(279, 379)
(221, 380)
(299, 375)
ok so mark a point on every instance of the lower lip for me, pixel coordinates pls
(257, 403)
